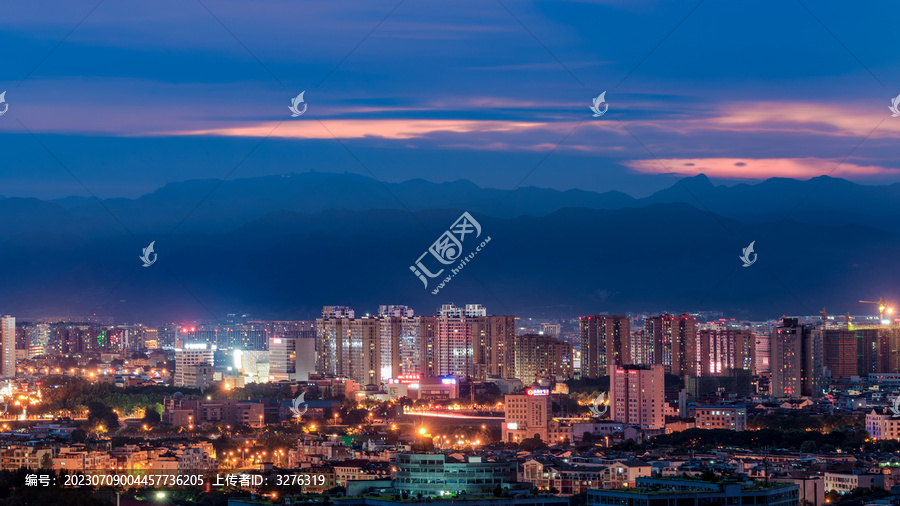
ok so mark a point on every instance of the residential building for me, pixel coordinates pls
(883, 424)
(796, 360)
(570, 479)
(724, 348)
(637, 395)
(530, 415)
(845, 482)
(674, 343)
(605, 341)
(720, 417)
(7, 347)
(539, 356)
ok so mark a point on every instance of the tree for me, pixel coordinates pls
(808, 446)
(78, 435)
(532, 444)
(101, 414)
(46, 461)
(151, 416)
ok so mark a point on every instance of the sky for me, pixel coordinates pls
(116, 99)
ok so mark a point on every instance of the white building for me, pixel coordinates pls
(192, 354)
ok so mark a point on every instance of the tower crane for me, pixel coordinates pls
(883, 306)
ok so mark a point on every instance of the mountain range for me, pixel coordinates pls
(283, 246)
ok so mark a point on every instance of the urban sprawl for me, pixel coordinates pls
(394, 407)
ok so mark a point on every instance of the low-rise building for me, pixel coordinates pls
(719, 417)
(434, 474)
(673, 492)
(845, 482)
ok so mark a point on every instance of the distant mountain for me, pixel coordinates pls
(216, 206)
(822, 200)
(572, 261)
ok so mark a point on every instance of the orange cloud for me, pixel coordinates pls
(758, 168)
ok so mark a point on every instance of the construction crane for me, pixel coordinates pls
(824, 318)
(882, 307)
(849, 327)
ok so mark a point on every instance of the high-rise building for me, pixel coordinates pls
(637, 395)
(291, 358)
(839, 353)
(641, 348)
(191, 354)
(352, 347)
(540, 356)
(762, 353)
(722, 349)
(7, 347)
(468, 343)
(494, 348)
(867, 350)
(551, 329)
(605, 341)
(796, 360)
(674, 343)
(417, 345)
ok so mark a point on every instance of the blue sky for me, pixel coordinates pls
(125, 97)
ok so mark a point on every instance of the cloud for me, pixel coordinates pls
(760, 168)
(355, 129)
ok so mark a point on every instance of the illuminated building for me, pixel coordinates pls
(796, 360)
(722, 349)
(530, 415)
(605, 341)
(674, 343)
(291, 358)
(719, 417)
(637, 395)
(436, 474)
(7, 347)
(191, 354)
(540, 356)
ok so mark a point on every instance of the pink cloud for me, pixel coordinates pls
(758, 168)
(354, 129)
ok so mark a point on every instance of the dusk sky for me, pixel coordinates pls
(130, 96)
